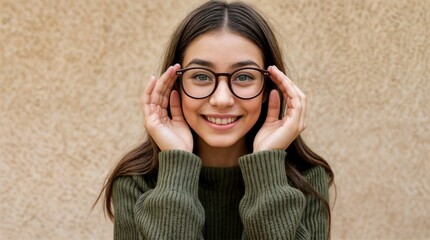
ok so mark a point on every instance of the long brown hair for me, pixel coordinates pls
(246, 21)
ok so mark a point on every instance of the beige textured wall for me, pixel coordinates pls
(71, 74)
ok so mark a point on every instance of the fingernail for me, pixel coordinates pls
(169, 69)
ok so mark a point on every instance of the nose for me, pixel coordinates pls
(222, 97)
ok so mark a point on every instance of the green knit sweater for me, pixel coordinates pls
(188, 201)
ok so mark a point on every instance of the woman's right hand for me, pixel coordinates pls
(169, 133)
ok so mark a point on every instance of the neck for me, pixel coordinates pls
(221, 156)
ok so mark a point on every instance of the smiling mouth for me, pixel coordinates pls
(221, 121)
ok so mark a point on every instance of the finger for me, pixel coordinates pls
(159, 96)
(273, 109)
(292, 112)
(303, 108)
(163, 87)
(146, 96)
(294, 107)
(175, 106)
(286, 86)
(172, 80)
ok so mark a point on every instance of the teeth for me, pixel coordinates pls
(221, 121)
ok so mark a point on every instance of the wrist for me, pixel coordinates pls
(263, 169)
(261, 148)
(188, 149)
(178, 169)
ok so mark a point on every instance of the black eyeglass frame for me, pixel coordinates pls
(265, 75)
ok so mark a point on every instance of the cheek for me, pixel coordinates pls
(254, 108)
(189, 108)
(253, 111)
(255, 115)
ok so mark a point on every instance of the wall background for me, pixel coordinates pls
(71, 75)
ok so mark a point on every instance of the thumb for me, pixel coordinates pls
(274, 106)
(175, 106)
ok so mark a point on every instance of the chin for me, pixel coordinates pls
(220, 145)
(221, 142)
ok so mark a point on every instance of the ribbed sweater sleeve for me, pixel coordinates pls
(172, 209)
(125, 193)
(315, 219)
(271, 208)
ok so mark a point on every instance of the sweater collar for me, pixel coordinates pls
(221, 178)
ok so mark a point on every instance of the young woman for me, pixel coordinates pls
(224, 158)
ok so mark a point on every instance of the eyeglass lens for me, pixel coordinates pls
(200, 83)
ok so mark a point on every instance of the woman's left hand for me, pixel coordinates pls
(280, 133)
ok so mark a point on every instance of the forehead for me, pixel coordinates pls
(223, 49)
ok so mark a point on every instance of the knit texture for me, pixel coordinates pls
(188, 201)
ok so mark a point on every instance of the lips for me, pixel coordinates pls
(221, 120)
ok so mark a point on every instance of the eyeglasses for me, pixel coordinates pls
(244, 83)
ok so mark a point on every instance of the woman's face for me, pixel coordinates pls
(222, 120)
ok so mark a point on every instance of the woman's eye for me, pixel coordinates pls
(243, 77)
(202, 77)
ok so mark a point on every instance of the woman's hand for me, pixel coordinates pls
(168, 133)
(280, 133)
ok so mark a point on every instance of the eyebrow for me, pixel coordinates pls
(205, 63)
(200, 62)
(245, 64)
